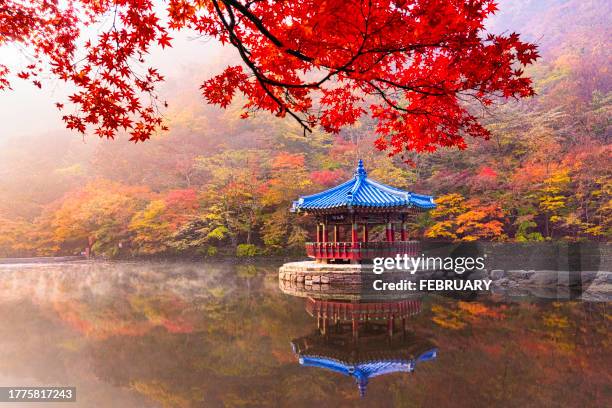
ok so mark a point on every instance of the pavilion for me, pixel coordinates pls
(363, 202)
(365, 366)
(374, 352)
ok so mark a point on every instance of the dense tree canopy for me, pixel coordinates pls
(216, 184)
(413, 65)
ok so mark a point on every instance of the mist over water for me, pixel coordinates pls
(134, 334)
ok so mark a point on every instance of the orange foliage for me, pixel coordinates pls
(479, 309)
(529, 174)
(102, 326)
(286, 160)
(327, 178)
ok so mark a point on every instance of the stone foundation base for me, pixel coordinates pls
(304, 277)
(311, 272)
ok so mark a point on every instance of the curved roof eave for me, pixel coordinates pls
(361, 191)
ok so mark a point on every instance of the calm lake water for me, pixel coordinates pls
(223, 335)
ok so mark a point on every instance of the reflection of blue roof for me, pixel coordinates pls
(361, 191)
(362, 372)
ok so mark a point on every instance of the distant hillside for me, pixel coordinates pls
(216, 181)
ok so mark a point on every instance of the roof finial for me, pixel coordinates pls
(362, 384)
(361, 171)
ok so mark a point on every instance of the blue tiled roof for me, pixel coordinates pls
(361, 191)
(362, 372)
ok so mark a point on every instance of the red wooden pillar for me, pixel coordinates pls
(318, 239)
(324, 231)
(365, 232)
(335, 233)
(389, 231)
(404, 235)
(355, 251)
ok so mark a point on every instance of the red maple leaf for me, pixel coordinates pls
(413, 61)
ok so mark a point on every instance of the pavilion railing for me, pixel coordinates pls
(338, 310)
(361, 250)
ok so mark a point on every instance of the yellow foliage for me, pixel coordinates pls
(159, 392)
(150, 229)
(447, 318)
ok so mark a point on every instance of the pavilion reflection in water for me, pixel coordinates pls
(359, 339)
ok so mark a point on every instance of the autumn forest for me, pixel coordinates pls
(216, 184)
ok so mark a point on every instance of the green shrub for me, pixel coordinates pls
(246, 250)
